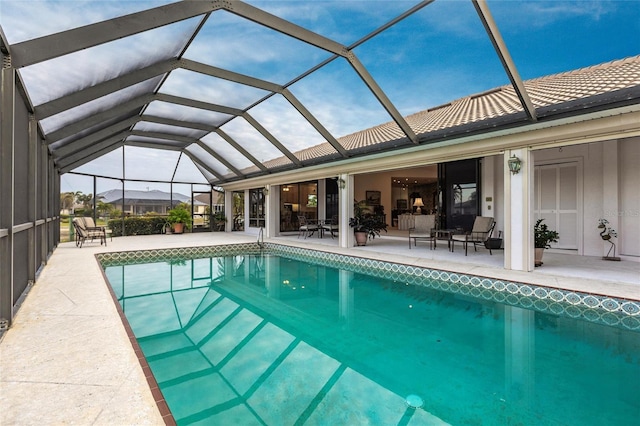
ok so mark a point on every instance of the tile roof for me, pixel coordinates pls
(131, 196)
(548, 94)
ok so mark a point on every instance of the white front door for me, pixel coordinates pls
(557, 201)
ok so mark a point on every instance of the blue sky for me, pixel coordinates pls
(438, 54)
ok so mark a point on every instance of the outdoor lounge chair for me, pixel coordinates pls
(86, 229)
(423, 229)
(481, 231)
(331, 226)
(306, 228)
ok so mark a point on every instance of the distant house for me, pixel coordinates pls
(142, 202)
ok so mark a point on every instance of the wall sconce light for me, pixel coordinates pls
(514, 165)
(265, 190)
(418, 203)
(342, 183)
(285, 188)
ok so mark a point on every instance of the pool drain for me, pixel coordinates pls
(414, 401)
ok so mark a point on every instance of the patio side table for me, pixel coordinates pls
(443, 234)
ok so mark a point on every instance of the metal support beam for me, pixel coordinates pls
(183, 140)
(219, 157)
(198, 104)
(88, 148)
(157, 145)
(285, 27)
(52, 46)
(243, 151)
(314, 122)
(32, 196)
(7, 186)
(264, 132)
(132, 107)
(382, 97)
(229, 75)
(178, 123)
(80, 97)
(81, 158)
(43, 205)
(505, 57)
(121, 128)
(200, 163)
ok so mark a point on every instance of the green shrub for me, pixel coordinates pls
(180, 214)
(138, 225)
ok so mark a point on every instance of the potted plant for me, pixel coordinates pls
(365, 224)
(543, 238)
(179, 218)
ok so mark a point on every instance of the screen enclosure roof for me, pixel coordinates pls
(230, 90)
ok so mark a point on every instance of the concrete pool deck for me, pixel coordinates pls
(68, 359)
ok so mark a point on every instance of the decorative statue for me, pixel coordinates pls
(607, 234)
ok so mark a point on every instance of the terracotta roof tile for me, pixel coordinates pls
(551, 90)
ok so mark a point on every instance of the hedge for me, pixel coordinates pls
(138, 225)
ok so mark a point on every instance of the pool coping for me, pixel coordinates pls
(488, 288)
(156, 393)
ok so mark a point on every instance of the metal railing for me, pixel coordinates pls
(261, 238)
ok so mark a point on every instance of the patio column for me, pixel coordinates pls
(322, 199)
(271, 208)
(228, 210)
(518, 204)
(610, 199)
(345, 198)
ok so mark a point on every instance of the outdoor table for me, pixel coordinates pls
(443, 234)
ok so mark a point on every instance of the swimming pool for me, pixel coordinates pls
(249, 337)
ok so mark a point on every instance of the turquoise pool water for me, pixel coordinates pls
(263, 339)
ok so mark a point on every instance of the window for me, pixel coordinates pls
(460, 183)
(297, 199)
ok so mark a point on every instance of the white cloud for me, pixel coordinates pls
(543, 13)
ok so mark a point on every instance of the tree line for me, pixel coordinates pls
(68, 201)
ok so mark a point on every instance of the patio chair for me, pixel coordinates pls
(306, 228)
(481, 232)
(85, 229)
(423, 229)
(331, 226)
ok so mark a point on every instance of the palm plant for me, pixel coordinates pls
(67, 199)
